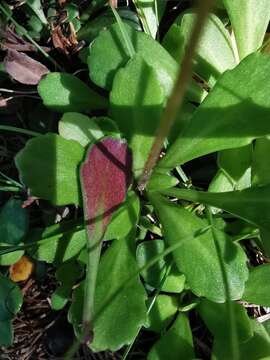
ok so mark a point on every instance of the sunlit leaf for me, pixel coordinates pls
(64, 92)
(249, 20)
(48, 165)
(176, 343)
(137, 108)
(257, 288)
(225, 120)
(252, 204)
(199, 258)
(108, 53)
(79, 127)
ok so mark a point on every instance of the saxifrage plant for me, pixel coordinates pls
(173, 251)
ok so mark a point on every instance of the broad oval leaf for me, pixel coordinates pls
(225, 119)
(108, 53)
(10, 298)
(137, 108)
(214, 54)
(197, 257)
(79, 127)
(120, 308)
(105, 178)
(257, 288)
(65, 92)
(48, 165)
(14, 222)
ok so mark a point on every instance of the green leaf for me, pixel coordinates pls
(252, 204)
(175, 281)
(124, 218)
(161, 181)
(36, 6)
(176, 344)
(150, 12)
(48, 165)
(256, 348)
(260, 162)
(199, 258)
(257, 288)
(120, 311)
(225, 120)
(10, 258)
(108, 53)
(235, 162)
(6, 333)
(92, 28)
(14, 222)
(58, 248)
(79, 127)
(162, 312)
(249, 19)
(10, 298)
(67, 274)
(64, 92)
(217, 320)
(214, 54)
(137, 108)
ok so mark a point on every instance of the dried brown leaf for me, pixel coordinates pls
(23, 68)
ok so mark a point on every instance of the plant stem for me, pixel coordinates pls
(28, 37)
(19, 130)
(177, 96)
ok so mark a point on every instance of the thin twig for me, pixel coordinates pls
(175, 100)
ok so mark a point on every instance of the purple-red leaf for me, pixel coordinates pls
(23, 68)
(105, 177)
